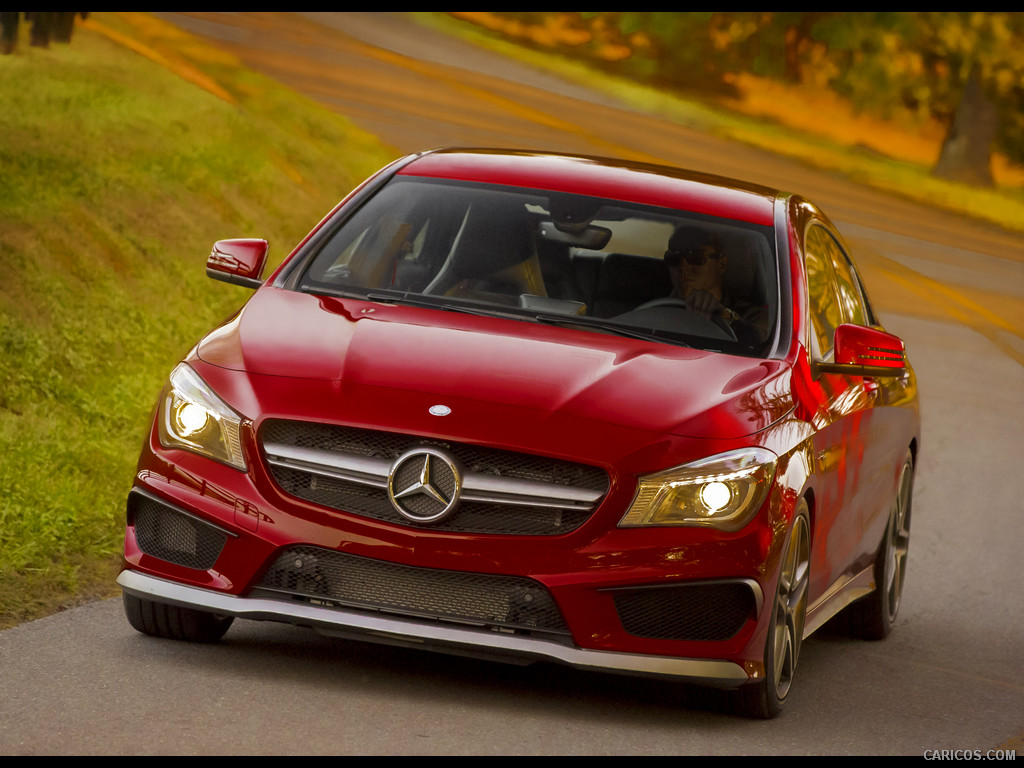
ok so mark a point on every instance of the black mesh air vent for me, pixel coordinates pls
(359, 582)
(713, 611)
(168, 534)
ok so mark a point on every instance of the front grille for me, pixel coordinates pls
(171, 535)
(486, 600)
(712, 611)
(503, 492)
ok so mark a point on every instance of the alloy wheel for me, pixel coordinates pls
(790, 608)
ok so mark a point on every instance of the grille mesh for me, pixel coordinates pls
(163, 532)
(690, 612)
(470, 516)
(485, 599)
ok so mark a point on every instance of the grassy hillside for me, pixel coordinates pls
(123, 157)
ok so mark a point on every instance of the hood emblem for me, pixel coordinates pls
(424, 485)
(439, 410)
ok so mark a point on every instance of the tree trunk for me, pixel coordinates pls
(967, 151)
(796, 38)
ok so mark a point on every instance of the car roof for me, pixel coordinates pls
(633, 182)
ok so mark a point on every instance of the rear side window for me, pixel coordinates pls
(834, 288)
(823, 298)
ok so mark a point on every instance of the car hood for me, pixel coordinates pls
(380, 355)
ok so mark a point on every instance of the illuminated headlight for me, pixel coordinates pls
(194, 418)
(721, 491)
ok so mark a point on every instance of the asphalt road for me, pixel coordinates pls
(950, 677)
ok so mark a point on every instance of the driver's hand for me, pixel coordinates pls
(703, 303)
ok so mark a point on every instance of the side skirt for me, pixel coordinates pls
(845, 590)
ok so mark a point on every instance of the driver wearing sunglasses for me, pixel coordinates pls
(696, 266)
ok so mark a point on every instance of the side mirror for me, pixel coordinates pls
(863, 351)
(239, 261)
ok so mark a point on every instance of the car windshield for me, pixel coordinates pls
(597, 264)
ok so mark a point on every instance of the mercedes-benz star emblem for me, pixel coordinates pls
(424, 485)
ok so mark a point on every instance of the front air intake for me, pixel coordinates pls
(710, 611)
(490, 601)
(168, 533)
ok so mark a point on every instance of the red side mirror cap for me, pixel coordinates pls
(861, 351)
(239, 261)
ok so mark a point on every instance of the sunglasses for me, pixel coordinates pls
(696, 257)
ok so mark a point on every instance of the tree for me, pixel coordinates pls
(967, 150)
(983, 54)
(963, 68)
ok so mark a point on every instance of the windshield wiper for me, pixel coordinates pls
(419, 300)
(591, 324)
(564, 321)
(416, 300)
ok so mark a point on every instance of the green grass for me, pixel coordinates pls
(116, 176)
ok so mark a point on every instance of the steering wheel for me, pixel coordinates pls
(664, 301)
(678, 303)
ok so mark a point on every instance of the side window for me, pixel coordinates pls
(824, 303)
(854, 308)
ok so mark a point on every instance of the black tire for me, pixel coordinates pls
(174, 622)
(765, 698)
(872, 617)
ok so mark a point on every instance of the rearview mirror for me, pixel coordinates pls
(239, 261)
(863, 351)
(593, 238)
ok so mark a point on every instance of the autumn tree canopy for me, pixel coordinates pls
(963, 68)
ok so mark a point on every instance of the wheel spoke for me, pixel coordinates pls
(784, 656)
(790, 608)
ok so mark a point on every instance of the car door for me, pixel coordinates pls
(881, 425)
(842, 407)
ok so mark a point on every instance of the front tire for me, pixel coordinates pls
(786, 630)
(174, 622)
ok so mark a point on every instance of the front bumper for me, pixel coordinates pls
(681, 603)
(383, 629)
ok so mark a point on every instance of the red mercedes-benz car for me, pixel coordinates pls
(544, 407)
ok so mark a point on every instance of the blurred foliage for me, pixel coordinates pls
(895, 64)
